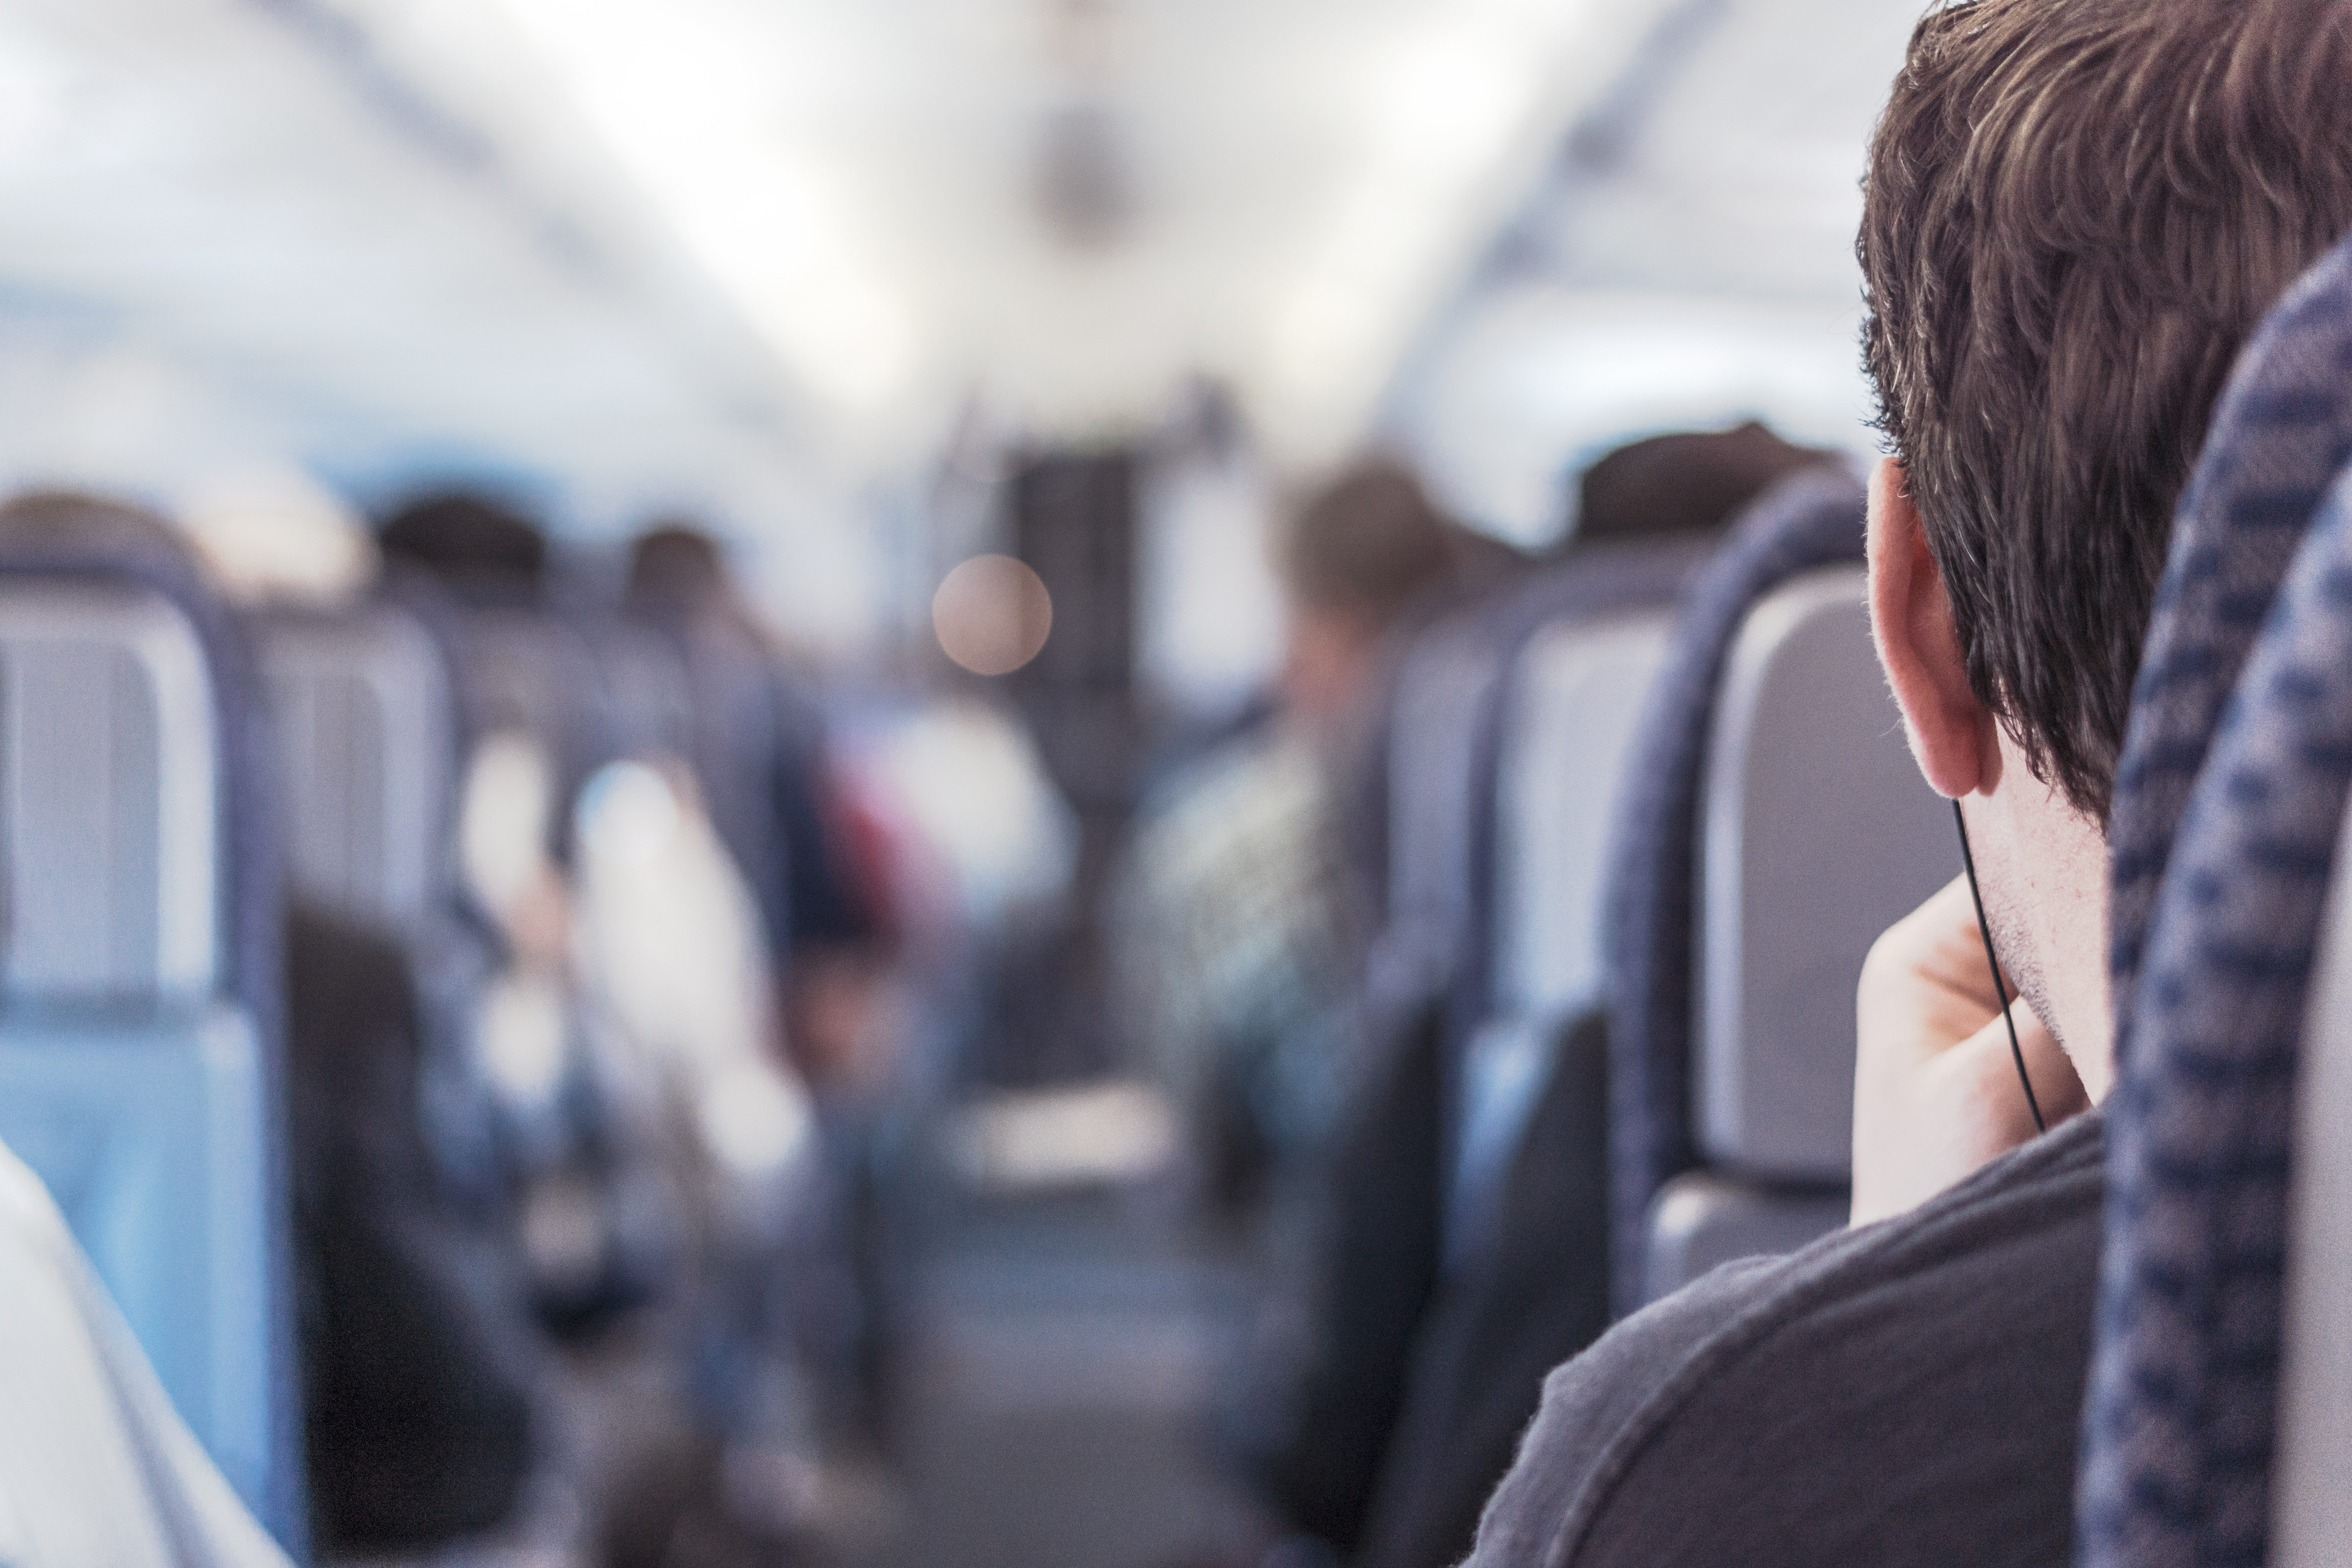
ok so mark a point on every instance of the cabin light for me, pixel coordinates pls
(685, 97)
(993, 615)
(1446, 105)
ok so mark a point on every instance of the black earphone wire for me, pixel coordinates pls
(1984, 929)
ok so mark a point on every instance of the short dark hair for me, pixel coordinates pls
(1688, 482)
(1368, 542)
(466, 540)
(2076, 211)
(675, 564)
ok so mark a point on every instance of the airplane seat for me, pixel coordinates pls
(1521, 1277)
(1447, 676)
(2313, 1511)
(362, 707)
(1437, 1323)
(1816, 833)
(141, 993)
(1579, 652)
(2217, 1419)
(420, 1362)
(2207, 1416)
(1811, 518)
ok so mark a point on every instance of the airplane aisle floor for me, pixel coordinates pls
(1061, 1357)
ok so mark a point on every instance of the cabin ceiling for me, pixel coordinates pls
(753, 254)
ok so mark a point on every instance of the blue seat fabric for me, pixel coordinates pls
(2241, 736)
(253, 951)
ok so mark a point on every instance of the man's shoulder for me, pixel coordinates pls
(1861, 1346)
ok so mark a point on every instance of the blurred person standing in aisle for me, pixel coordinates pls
(761, 751)
(1240, 910)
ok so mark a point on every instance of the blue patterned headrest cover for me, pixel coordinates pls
(2177, 1426)
(2281, 431)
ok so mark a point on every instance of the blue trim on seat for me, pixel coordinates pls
(1814, 517)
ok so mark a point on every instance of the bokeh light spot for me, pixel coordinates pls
(992, 614)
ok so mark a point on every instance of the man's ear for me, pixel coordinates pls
(1919, 644)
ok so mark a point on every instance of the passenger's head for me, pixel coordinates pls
(1361, 549)
(1685, 484)
(469, 542)
(675, 567)
(2076, 211)
(50, 518)
(275, 536)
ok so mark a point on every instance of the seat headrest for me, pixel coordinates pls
(110, 791)
(1814, 517)
(366, 734)
(2313, 1507)
(2183, 1397)
(1817, 834)
(1447, 680)
(2281, 431)
(1579, 690)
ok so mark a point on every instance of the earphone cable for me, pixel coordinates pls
(1984, 929)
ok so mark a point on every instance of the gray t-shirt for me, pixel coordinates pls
(1907, 1392)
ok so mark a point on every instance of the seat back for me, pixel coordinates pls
(1817, 834)
(111, 798)
(2178, 1422)
(366, 739)
(1447, 679)
(2313, 1507)
(1582, 684)
(1576, 693)
(2186, 1389)
(133, 1080)
(1810, 519)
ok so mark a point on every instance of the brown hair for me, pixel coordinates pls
(1684, 483)
(2076, 212)
(1366, 543)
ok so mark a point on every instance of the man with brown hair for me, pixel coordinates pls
(2076, 211)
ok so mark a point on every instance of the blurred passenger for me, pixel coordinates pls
(414, 1376)
(2074, 215)
(1682, 485)
(762, 752)
(1351, 561)
(478, 546)
(823, 975)
(1239, 924)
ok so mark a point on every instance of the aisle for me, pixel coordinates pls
(1062, 1356)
